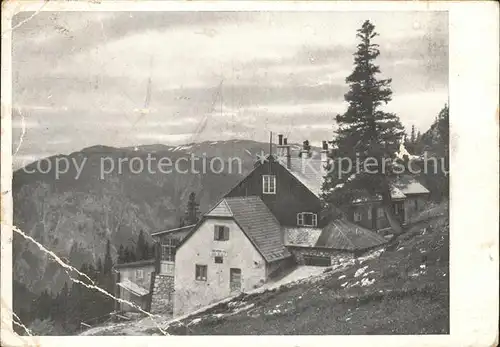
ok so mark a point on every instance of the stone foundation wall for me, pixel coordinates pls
(336, 256)
(163, 294)
(276, 268)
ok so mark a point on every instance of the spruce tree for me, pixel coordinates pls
(141, 247)
(121, 255)
(192, 211)
(364, 131)
(99, 268)
(108, 261)
(63, 303)
(443, 127)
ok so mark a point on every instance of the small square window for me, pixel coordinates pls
(218, 260)
(201, 272)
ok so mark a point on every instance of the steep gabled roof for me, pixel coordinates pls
(220, 210)
(260, 225)
(308, 171)
(407, 184)
(255, 220)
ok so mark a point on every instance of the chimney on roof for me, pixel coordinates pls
(305, 152)
(283, 152)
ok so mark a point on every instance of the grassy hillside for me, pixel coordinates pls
(405, 290)
(401, 289)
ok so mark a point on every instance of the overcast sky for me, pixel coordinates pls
(81, 79)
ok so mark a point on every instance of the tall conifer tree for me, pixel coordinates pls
(192, 210)
(108, 261)
(364, 131)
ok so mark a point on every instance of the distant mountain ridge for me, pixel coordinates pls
(75, 216)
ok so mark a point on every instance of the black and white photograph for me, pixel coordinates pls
(227, 172)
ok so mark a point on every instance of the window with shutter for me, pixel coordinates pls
(221, 233)
(300, 219)
(314, 219)
(308, 219)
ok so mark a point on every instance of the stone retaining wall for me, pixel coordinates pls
(163, 294)
(336, 256)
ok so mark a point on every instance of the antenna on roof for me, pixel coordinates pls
(270, 143)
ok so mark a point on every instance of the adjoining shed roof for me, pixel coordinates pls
(138, 263)
(409, 185)
(338, 234)
(133, 287)
(186, 228)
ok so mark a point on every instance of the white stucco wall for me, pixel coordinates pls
(131, 274)
(145, 282)
(239, 252)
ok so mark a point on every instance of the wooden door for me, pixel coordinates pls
(235, 279)
(374, 217)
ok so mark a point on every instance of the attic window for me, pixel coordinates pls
(307, 219)
(268, 184)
